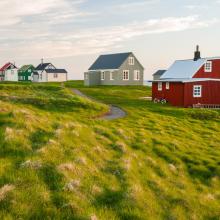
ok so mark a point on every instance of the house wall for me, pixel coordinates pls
(92, 78)
(175, 95)
(131, 68)
(11, 75)
(35, 78)
(61, 77)
(214, 74)
(40, 79)
(210, 93)
(26, 75)
(156, 77)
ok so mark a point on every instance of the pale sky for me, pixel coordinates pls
(73, 33)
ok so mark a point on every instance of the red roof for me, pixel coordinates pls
(5, 66)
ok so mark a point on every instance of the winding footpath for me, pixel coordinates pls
(114, 113)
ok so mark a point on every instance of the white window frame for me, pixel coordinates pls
(103, 76)
(111, 76)
(55, 75)
(137, 75)
(197, 91)
(167, 85)
(208, 67)
(131, 61)
(126, 75)
(160, 86)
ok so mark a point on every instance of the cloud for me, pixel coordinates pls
(132, 5)
(32, 43)
(16, 11)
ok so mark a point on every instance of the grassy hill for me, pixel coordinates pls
(58, 161)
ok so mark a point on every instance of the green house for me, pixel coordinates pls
(25, 73)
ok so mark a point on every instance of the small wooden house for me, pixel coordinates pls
(25, 73)
(115, 69)
(9, 72)
(190, 82)
(47, 72)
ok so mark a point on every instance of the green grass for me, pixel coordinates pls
(159, 162)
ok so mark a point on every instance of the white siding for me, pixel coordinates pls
(11, 75)
(61, 77)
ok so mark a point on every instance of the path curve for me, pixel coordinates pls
(114, 113)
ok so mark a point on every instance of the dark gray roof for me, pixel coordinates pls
(159, 73)
(56, 71)
(42, 66)
(110, 61)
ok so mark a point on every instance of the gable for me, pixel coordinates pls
(110, 61)
(44, 66)
(137, 64)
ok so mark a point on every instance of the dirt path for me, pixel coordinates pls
(114, 113)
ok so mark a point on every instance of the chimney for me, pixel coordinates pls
(197, 54)
(42, 61)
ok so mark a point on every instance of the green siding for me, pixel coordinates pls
(25, 73)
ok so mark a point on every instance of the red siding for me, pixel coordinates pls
(210, 93)
(175, 95)
(181, 94)
(214, 74)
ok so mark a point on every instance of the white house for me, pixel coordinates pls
(9, 72)
(47, 72)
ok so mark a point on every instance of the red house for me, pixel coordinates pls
(190, 82)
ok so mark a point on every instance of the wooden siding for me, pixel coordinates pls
(174, 95)
(181, 94)
(210, 93)
(214, 74)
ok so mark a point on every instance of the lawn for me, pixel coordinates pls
(58, 161)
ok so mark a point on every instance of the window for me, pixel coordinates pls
(208, 67)
(55, 75)
(126, 75)
(160, 86)
(40, 76)
(111, 76)
(167, 85)
(197, 91)
(12, 72)
(136, 75)
(102, 75)
(131, 61)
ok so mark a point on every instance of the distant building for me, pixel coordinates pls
(190, 82)
(9, 72)
(158, 74)
(47, 72)
(115, 69)
(25, 73)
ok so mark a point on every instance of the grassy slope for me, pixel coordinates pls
(158, 163)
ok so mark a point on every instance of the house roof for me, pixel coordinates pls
(42, 66)
(183, 69)
(110, 61)
(159, 73)
(185, 80)
(25, 67)
(56, 71)
(6, 66)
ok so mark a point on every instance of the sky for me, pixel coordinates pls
(73, 33)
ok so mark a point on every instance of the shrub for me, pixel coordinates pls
(203, 114)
